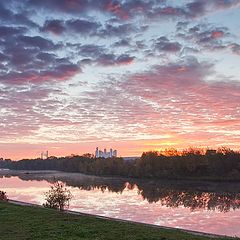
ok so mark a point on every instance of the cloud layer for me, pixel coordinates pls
(143, 74)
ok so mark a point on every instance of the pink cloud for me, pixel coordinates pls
(54, 26)
(168, 105)
(116, 8)
(176, 99)
(217, 34)
(61, 72)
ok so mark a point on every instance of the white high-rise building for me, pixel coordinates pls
(97, 153)
(114, 153)
(44, 155)
(105, 153)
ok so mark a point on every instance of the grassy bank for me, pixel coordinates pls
(33, 223)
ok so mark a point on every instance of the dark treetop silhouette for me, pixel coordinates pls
(223, 164)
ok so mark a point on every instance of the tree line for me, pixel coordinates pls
(192, 163)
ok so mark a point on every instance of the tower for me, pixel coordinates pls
(115, 153)
(97, 153)
(105, 153)
(44, 155)
(111, 152)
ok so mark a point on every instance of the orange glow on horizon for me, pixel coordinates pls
(124, 148)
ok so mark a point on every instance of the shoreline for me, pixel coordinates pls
(196, 233)
(79, 180)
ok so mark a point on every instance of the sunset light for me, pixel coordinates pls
(123, 72)
(122, 116)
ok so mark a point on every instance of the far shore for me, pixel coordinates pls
(78, 178)
(13, 172)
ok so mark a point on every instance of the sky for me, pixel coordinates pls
(130, 75)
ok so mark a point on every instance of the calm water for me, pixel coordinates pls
(208, 207)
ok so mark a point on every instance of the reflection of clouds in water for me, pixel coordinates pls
(14, 182)
(29, 194)
(108, 204)
(215, 222)
(27, 191)
(113, 205)
(129, 205)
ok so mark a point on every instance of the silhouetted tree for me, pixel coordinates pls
(58, 197)
(189, 163)
(3, 196)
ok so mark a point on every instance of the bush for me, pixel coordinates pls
(58, 197)
(3, 196)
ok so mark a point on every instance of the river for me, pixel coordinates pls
(212, 207)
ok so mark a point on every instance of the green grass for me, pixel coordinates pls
(23, 222)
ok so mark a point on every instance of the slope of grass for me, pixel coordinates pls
(33, 223)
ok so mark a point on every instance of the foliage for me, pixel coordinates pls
(58, 197)
(3, 196)
(194, 163)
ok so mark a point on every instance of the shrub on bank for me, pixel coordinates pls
(58, 197)
(3, 196)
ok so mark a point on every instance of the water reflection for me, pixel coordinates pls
(221, 197)
(201, 206)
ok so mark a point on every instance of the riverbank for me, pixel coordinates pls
(29, 222)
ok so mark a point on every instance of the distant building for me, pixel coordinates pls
(114, 154)
(97, 153)
(111, 152)
(44, 155)
(105, 153)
